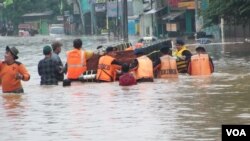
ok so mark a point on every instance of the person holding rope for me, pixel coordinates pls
(107, 66)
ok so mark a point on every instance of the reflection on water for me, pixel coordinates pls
(186, 109)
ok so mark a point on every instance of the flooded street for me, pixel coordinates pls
(187, 109)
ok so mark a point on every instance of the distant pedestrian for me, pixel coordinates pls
(48, 68)
(12, 72)
(201, 63)
(126, 79)
(56, 46)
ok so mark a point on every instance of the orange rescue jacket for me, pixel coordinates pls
(105, 71)
(145, 68)
(200, 65)
(168, 67)
(8, 76)
(76, 63)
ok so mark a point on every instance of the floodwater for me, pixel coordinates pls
(187, 109)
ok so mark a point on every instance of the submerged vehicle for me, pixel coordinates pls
(27, 29)
(56, 30)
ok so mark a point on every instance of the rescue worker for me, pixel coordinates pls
(12, 72)
(56, 46)
(142, 67)
(165, 66)
(77, 58)
(182, 55)
(201, 63)
(107, 67)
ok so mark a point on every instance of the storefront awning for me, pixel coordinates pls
(172, 15)
(152, 11)
(46, 13)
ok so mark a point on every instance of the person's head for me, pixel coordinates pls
(77, 43)
(47, 50)
(138, 52)
(165, 50)
(56, 46)
(11, 54)
(109, 50)
(200, 50)
(139, 45)
(179, 43)
(125, 68)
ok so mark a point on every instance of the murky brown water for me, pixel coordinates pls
(187, 109)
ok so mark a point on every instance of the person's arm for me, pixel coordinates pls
(134, 65)
(65, 70)
(187, 54)
(89, 54)
(189, 68)
(115, 62)
(58, 67)
(211, 64)
(157, 64)
(23, 71)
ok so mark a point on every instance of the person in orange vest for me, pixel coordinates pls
(107, 67)
(165, 66)
(77, 58)
(12, 72)
(142, 67)
(201, 63)
(182, 55)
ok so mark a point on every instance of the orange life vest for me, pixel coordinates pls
(145, 68)
(76, 63)
(168, 67)
(200, 65)
(105, 71)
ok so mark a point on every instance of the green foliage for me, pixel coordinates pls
(233, 11)
(13, 12)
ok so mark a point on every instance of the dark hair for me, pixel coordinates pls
(55, 45)
(77, 43)
(200, 49)
(139, 51)
(109, 49)
(179, 41)
(125, 67)
(165, 50)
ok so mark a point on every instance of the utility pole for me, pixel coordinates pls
(125, 20)
(196, 16)
(152, 18)
(117, 19)
(81, 14)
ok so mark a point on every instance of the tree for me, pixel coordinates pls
(233, 11)
(14, 11)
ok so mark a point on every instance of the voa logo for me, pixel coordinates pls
(236, 132)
